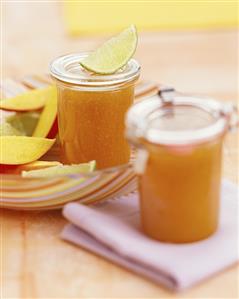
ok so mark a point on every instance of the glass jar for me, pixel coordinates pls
(179, 141)
(91, 111)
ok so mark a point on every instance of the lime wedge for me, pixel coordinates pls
(113, 54)
(8, 130)
(61, 170)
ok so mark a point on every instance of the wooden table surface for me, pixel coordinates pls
(36, 263)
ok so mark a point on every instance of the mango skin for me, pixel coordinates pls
(17, 169)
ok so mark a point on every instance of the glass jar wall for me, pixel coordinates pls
(91, 111)
(179, 165)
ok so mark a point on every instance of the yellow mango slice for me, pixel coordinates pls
(47, 124)
(27, 101)
(17, 150)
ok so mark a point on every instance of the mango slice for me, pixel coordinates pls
(24, 122)
(31, 100)
(16, 150)
(61, 170)
(47, 125)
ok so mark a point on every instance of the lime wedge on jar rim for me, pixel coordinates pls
(113, 54)
(60, 170)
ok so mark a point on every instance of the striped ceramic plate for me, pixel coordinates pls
(53, 193)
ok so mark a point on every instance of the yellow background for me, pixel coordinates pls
(89, 17)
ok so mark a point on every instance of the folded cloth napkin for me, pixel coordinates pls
(112, 230)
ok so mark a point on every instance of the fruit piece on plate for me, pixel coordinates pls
(36, 165)
(47, 124)
(8, 130)
(17, 150)
(17, 169)
(24, 122)
(61, 170)
(113, 54)
(27, 101)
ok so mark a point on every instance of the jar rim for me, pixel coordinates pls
(67, 68)
(139, 126)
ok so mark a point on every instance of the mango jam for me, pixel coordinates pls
(180, 192)
(91, 112)
(91, 126)
(179, 159)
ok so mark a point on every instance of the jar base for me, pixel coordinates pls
(178, 239)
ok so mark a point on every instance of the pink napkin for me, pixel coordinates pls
(111, 229)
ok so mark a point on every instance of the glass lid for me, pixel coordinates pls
(68, 69)
(180, 120)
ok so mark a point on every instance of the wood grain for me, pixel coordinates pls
(35, 262)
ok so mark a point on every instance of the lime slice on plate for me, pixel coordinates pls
(113, 54)
(61, 170)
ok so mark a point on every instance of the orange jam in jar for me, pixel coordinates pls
(179, 165)
(91, 111)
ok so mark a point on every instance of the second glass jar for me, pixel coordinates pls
(179, 143)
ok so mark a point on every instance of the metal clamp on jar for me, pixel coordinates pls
(179, 140)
